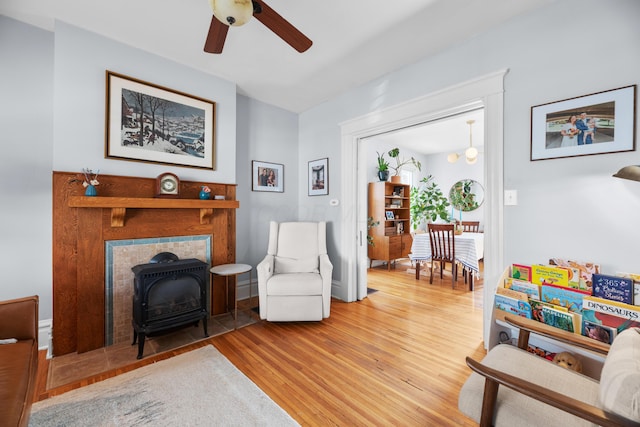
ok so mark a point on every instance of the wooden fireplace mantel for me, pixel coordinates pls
(119, 205)
(125, 209)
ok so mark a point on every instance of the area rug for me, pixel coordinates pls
(199, 388)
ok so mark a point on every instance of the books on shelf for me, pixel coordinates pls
(565, 320)
(549, 275)
(569, 298)
(610, 313)
(528, 288)
(512, 302)
(521, 272)
(585, 270)
(636, 285)
(613, 288)
(598, 332)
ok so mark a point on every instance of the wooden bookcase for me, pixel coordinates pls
(389, 203)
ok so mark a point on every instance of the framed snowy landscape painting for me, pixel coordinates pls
(150, 123)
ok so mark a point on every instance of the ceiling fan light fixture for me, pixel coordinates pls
(232, 12)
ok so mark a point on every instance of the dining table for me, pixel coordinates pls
(469, 251)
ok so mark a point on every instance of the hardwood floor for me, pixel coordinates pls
(395, 358)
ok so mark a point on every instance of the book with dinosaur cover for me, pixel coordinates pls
(610, 313)
(613, 288)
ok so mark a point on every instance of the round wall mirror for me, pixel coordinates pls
(466, 195)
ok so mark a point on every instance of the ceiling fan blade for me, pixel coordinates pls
(216, 37)
(281, 27)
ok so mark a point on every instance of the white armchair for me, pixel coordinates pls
(294, 279)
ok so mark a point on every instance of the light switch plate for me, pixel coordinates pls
(510, 197)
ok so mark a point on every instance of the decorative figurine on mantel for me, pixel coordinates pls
(205, 192)
(90, 181)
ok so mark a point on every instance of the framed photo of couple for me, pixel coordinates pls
(603, 122)
(267, 177)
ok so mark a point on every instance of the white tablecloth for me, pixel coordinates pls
(469, 249)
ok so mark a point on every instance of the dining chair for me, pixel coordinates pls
(443, 249)
(471, 226)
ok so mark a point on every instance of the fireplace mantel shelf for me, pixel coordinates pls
(119, 205)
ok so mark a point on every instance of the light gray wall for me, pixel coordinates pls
(81, 61)
(26, 121)
(268, 134)
(567, 207)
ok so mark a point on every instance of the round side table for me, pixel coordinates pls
(227, 270)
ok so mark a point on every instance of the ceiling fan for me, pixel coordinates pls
(234, 13)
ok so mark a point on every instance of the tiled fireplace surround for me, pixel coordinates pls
(120, 256)
(87, 231)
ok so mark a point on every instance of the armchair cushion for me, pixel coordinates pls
(620, 377)
(515, 409)
(285, 265)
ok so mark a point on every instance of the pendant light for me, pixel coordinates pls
(470, 154)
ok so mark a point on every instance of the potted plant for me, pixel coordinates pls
(400, 163)
(370, 224)
(428, 203)
(383, 167)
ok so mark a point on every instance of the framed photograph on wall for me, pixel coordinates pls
(267, 177)
(150, 123)
(319, 177)
(603, 122)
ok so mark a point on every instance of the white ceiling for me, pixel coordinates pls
(450, 134)
(354, 41)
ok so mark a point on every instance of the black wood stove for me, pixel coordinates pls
(168, 293)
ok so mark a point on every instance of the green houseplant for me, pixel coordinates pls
(462, 197)
(428, 203)
(383, 167)
(401, 162)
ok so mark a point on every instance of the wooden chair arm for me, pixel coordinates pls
(494, 378)
(527, 326)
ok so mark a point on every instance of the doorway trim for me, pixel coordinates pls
(486, 91)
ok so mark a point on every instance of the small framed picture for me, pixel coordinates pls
(599, 123)
(267, 177)
(389, 215)
(319, 177)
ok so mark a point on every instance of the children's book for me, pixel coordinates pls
(598, 332)
(613, 288)
(566, 297)
(522, 286)
(610, 313)
(585, 269)
(563, 320)
(636, 285)
(521, 272)
(536, 309)
(549, 275)
(513, 305)
(512, 293)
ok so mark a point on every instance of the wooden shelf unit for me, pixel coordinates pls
(391, 238)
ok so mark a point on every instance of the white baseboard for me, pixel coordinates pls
(45, 337)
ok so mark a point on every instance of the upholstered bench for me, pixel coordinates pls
(510, 387)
